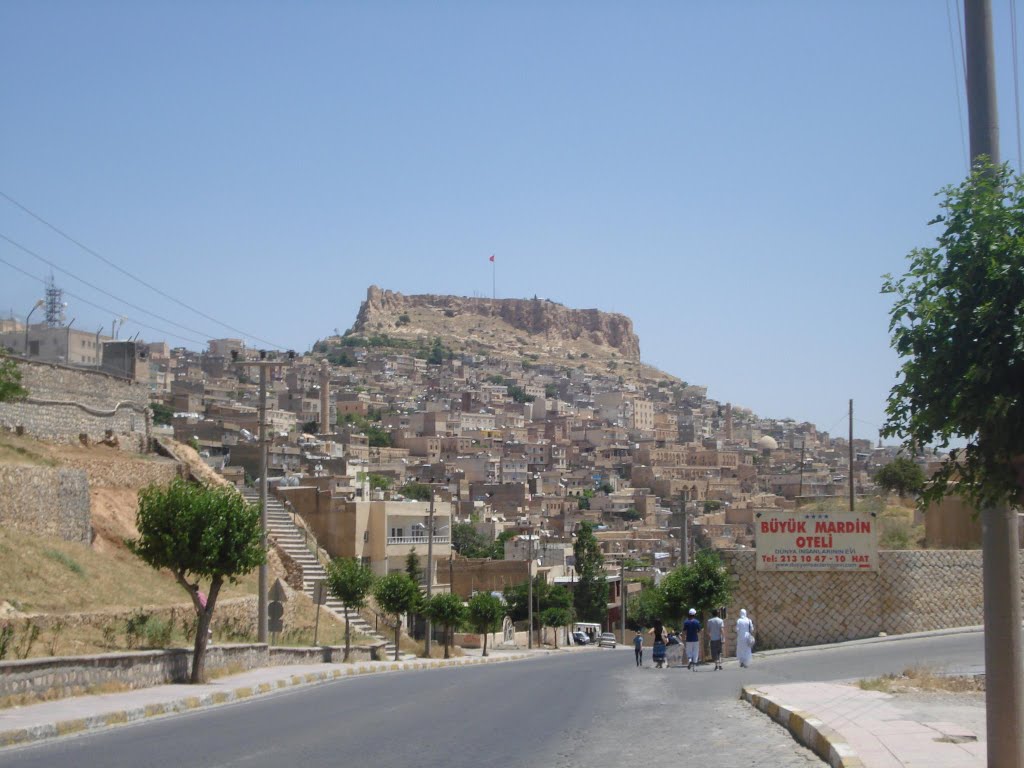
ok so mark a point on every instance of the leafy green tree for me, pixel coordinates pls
(630, 515)
(412, 566)
(550, 391)
(556, 618)
(712, 505)
(518, 394)
(162, 414)
(498, 546)
(199, 533)
(310, 427)
(350, 581)
(645, 608)
(516, 598)
(377, 437)
(704, 584)
(396, 594)
(417, 491)
(468, 542)
(447, 610)
(379, 482)
(591, 591)
(957, 323)
(484, 614)
(901, 475)
(10, 381)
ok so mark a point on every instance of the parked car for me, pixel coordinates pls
(607, 640)
(580, 638)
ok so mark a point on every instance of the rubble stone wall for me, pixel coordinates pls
(49, 501)
(912, 591)
(65, 403)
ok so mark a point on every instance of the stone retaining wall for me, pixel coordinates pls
(64, 403)
(912, 591)
(59, 677)
(48, 501)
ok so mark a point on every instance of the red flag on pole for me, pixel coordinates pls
(492, 257)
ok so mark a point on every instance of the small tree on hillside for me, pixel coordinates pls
(350, 581)
(198, 533)
(484, 614)
(447, 610)
(901, 475)
(397, 594)
(10, 380)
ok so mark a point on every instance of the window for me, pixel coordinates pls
(397, 533)
(366, 536)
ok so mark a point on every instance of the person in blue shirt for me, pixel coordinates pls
(692, 629)
(638, 648)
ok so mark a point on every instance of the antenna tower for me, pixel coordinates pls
(54, 304)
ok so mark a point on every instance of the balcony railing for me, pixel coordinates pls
(416, 539)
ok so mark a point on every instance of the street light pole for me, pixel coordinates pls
(37, 305)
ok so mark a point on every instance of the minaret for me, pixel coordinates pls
(728, 421)
(325, 398)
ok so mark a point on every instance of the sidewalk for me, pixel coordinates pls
(22, 725)
(848, 727)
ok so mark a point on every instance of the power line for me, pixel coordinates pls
(957, 69)
(161, 331)
(105, 292)
(126, 273)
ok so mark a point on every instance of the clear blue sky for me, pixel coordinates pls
(735, 177)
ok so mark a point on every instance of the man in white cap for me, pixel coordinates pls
(692, 629)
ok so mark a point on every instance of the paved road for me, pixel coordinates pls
(586, 707)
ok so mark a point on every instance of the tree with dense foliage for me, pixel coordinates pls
(484, 614)
(590, 596)
(162, 414)
(412, 566)
(645, 608)
(10, 381)
(350, 581)
(957, 323)
(310, 427)
(197, 532)
(468, 542)
(416, 491)
(498, 545)
(516, 597)
(703, 584)
(378, 437)
(902, 476)
(556, 618)
(447, 610)
(396, 594)
(379, 482)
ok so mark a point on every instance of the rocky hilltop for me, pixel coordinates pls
(539, 327)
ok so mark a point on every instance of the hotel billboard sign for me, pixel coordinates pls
(804, 540)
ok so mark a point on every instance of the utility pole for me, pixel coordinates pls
(529, 592)
(264, 573)
(851, 454)
(430, 574)
(1004, 696)
(261, 621)
(803, 445)
(622, 597)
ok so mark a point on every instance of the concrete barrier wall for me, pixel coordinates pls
(912, 591)
(49, 501)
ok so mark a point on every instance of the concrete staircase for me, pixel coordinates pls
(292, 539)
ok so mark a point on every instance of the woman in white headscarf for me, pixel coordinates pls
(744, 639)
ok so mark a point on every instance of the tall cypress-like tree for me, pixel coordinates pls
(591, 591)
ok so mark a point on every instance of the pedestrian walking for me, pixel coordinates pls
(638, 648)
(716, 630)
(744, 639)
(691, 628)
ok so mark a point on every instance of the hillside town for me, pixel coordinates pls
(364, 434)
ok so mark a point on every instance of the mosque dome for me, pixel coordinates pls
(767, 443)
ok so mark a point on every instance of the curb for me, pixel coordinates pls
(872, 640)
(25, 736)
(806, 729)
